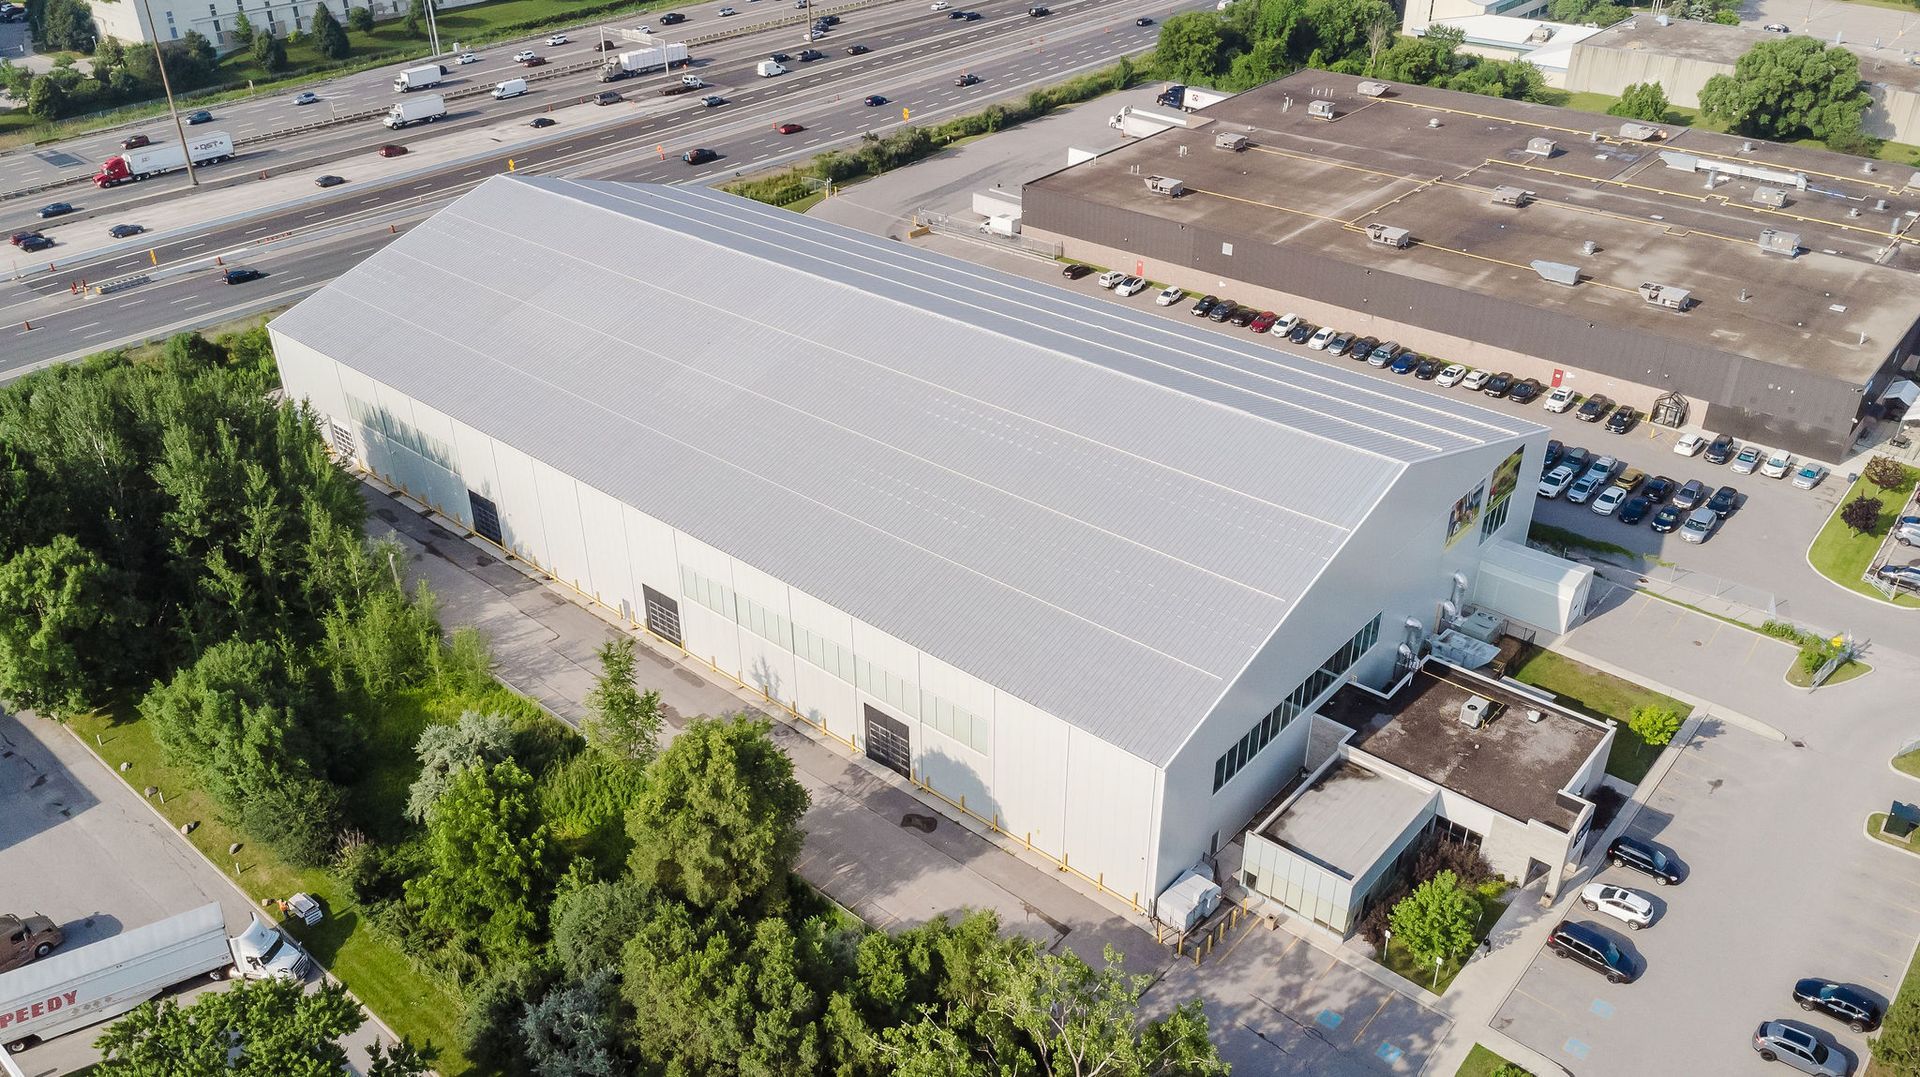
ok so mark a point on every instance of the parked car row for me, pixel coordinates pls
(1611, 488)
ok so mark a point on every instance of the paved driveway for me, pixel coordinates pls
(1780, 883)
(1858, 23)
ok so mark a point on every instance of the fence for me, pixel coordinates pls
(978, 232)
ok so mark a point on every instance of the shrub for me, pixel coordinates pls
(1886, 473)
(1654, 723)
(1785, 630)
(1862, 514)
(299, 818)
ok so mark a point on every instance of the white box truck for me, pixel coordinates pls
(419, 78)
(509, 88)
(769, 68)
(420, 110)
(103, 980)
(138, 164)
(639, 61)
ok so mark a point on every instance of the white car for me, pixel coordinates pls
(1608, 501)
(557, 39)
(1473, 382)
(1318, 341)
(1132, 286)
(1778, 464)
(1286, 323)
(1689, 445)
(524, 55)
(940, 5)
(1111, 278)
(469, 58)
(726, 11)
(1169, 296)
(1559, 400)
(1555, 482)
(1627, 906)
(1450, 376)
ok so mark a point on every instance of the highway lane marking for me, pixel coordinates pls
(422, 187)
(182, 299)
(290, 280)
(131, 303)
(316, 213)
(358, 253)
(195, 247)
(251, 231)
(89, 325)
(101, 333)
(125, 265)
(197, 306)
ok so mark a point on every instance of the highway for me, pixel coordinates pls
(47, 318)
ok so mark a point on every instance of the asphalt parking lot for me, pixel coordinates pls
(1774, 890)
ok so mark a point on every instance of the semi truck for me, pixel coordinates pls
(419, 110)
(638, 61)
(138, 164)
(419, 78)
(101, 981)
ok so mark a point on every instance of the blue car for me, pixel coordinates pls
(1405, 363)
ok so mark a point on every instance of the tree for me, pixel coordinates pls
(416, 21)
(1862, 514)
(266, 1028)
(56, 602)
(242, 27)
(1436, 921)
(1793, 87)
(1515, 80)
(591, 923)
(1192, 47)
(623, 722)
(329, 38)
(491, 865)
(1595, 12)
(1641, 101)
(360, 19)
(1081, 1021)
(445, 750)
(46, 100)
(1654, 723)
(489, 1027)
(270, 51)
(67, 24)
(401, 1059)
(574, 1030)
(1897, 1048)
(719, 820)
(1887, 473)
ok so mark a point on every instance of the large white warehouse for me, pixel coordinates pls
(1072, 563)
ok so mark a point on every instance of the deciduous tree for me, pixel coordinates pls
(1655, 723)
(1792, 87)
(360, 19)
(267, 1028)
(1862, 514)
(1436, 921)
(1193, 47)
(1641, 101)
(57, 602)
(492, 865)
(1887, 473)
(623, 721)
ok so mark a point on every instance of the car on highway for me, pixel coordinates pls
(1559, 400)
(1038, 13)
(524, 55)
(306, 97)
(134, 142)
(1809, 476)
(35, 242)
(556, 39)
(713, 101)
(808, 56)
(534, 61)
(789, 128)
(55, 209)
(1851, 1007)
(328, 181)
(1779, 462)
(1723, 501)
(940, 5)
(542, 121)
(829, 20)
(468, 58)
(1591, 947)
(199, 116)
(1666, 519)
(1634, 510)
(1451, 375)
(1689, 445)
(874, 100)
(1784, 1041)
(778, 57)
(1075, 270)
(725, 12)
(122, 231)
(241, 275)
(1130, 287)
(1690, 495)
(21, 237)
(1595, 408)
(1720, 449)
(614, 46)
(393, 149)
(1169, 296)
(1776, 28)
(1475, 380)
(1143, 21)
(1622, 420)
(1555, 482)
(1746, 460)
(857, 50)
(1204, 305)
(672, 18)
(1630, 907)
(698, 156)
(608, 97)
(966, 80)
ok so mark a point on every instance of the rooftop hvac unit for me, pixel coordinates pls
(1666, 295)
(1389, 236)
(1483, 625)
(1475, 711)
(1373, 89)
(1321, 109)
(1165, 185)
(1641, 132)
(1556, 272)
(1542, 147)
(1774, 241)
(1511, 196)
(1534, 714)
(1770, 196)
(1228, 140)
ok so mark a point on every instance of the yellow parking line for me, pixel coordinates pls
(1236, 942)
(1388, 997)
(1541, 1001)
(1323, 972)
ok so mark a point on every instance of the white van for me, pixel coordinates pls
(769, 68)
(510, 88)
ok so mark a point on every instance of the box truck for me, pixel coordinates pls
(420, 110)
(510, 88)
(101, 981)
(658, 58)
(770, 68)
(138, 164)
(419, 78)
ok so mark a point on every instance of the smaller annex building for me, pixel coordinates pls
(1077, 568)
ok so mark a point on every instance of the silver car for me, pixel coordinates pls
(1699, 525)
(1797, 1046)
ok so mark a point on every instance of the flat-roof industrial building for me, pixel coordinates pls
(1078, 568)
(1761, 290)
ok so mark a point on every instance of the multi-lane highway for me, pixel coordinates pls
(914, 59)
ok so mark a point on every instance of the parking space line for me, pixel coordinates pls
(1376, 1013)
(1228, 952)
(1541, 1001)
(1323, 972)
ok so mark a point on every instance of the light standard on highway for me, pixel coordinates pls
(160, 61)
(433, 28)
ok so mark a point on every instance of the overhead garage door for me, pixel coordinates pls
(663, 616)
(887, 743)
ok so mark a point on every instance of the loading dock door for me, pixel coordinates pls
(486, 518)
(663, 616)
(887, 743)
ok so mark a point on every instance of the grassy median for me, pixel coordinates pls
(1842, 555)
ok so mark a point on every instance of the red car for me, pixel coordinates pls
(533, 61)
(1263, 321)
(134, 142)
(790, 128)
(392, 150)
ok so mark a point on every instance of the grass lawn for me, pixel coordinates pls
(1399, 960)
(1909, 987)
(1842, 556)
(1564, 539)
(1480, 1063)
(1879, 819)
(1800, 678)
(806, 203)
(1908, 764)
(1600, 695)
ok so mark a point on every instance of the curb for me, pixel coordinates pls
(1866, 833)
(1700, 705)
(1898, 771)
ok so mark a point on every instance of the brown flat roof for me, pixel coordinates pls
(1713, 43)
(1512, 765)
(1428, 160)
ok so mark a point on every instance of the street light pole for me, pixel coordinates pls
(160, 61)
(433, 29)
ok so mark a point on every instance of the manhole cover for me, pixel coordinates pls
(922, 823)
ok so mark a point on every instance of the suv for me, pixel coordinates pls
(134, 142)
(1222, 310)
(1591, 947)
(1498, 385)
(1595, 409)
(1852, 1008)
(1075, 270)
(1624, 905)
(1524, 391)
(1783, 1041)
(1636, 854)
(1204, 305)
(1621, 420)
(26, 938)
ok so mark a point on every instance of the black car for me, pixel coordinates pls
(1076, 271)
(55, 209)
(1524, 391)
(1576, 458)
(1242, 316)
(1591, 947)
(542, 121)
(1666, 519)
(1622, 420)
(1720, 450)
(672, 18)
(1222, 310)
(1429, 368)
(35, 242)
(779, 57)
(970, 16)
(1857, 1011)
(241, 275)
(1658, 489)
(966, 80)
(1636, 854)
(328, 181)
(1552, 456)
(829, 20)
(698, 156)
(1499, 385)
(957, 14)
(1690, 495)
(1634, 509)
(1362, 348)
(122, 231)
(200, 116)
(857, 50)
(1723, 501)
(808, 56)
(1594, 409)
(1204, 306)
(874, 100)
(1143, 21)
(1302, 333)
(1038, 13)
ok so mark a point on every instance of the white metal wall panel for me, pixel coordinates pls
(1029, 772)
(560, 510)
(479, 471)
(652, 558)
(710, 638)
(820, 696)
(307, 374)
(955, 770)
(609, 576)
(521, 525)
(1109, 813)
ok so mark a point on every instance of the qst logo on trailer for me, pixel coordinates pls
(53, 1004)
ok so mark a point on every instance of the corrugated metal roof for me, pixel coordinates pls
(1098, 510)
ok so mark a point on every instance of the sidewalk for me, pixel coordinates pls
(861, 848)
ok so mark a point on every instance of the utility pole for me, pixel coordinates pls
(433, 29)
(160, 61)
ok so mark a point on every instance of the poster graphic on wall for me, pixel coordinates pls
(1464, 512)
(1505, 478)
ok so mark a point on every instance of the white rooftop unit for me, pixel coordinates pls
(1542, 147)
(1774, 241)
(1388, 236)
(1321, 110)
(1373, 89)
(1666, 295)
(1165, 185)
(1475, 711)
(1188, 902)
(1770, 196)
(1511, 196)
(1642, 132)
(1688, 162)
(1230, 140)
(1531, 586)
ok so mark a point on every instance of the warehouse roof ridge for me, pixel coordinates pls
(1013, 478)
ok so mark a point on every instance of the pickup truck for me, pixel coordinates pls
(26, 938)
